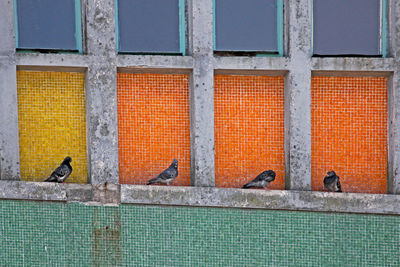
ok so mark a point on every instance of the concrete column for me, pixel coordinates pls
(9, 136)
(394, 101)
(298, 92)
(202, 94)
(101, 92)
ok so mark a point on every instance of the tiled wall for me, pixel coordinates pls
(153, 126)
(73, 234)
(249, 129)
(52, 123)
(349, 132)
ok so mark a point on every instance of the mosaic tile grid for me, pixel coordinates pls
(52, 124)
(349, 132)
(249, 129)
(58, 234)
(153, 126)
(71, 234)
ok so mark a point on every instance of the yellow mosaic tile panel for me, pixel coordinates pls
(52, 124)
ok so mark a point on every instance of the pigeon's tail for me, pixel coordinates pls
(248, 185)
(51, 179)
(153, 181)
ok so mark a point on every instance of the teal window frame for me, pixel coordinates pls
(182, 33)
(78, 32)
(279, 32)
(383, 29)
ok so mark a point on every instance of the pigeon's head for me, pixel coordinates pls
(271, 173)
(175, 163)
(330, 174)
(67, 160)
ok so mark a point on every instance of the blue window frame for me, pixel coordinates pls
(349, 27)
(249, 26)
(150, 26)
(48, 25)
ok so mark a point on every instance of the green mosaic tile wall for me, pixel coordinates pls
(59, 234)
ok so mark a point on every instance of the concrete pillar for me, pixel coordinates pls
(202, 94)
(298, 92)
(9, 137)
(101, 92)
(394, 101)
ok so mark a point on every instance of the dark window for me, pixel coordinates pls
(347, 27)
(48, 24)
(250, 26)
(151, 26)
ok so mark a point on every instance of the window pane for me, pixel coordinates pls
(346, 27)
(243, 25)
(148, 26)
(46, 24)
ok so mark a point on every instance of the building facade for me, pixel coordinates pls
(228, 103)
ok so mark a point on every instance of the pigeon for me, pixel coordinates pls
(168, 175)
(62, 172)
(262, 180)
(331, 182)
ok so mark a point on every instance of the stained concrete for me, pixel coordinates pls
(112, 194)
(252, 63)
(9, 142)
(261, 199)
(202, 95)
(394, 129)
(32, 191)
(101, 92)
(298, 94)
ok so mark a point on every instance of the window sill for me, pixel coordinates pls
(112, 194)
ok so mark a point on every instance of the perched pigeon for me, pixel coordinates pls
(62, 172)
(262, 180)
(331, 182)
(168, 175)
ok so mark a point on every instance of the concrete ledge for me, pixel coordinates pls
(112, 194)
(251, 63)
(153, 62)
(32, 191)
(87, 193)
(362, 65)
(25, 61)
(261, 199)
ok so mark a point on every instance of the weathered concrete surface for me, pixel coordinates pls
(261, 199)
(28, 60)
(9, 141)
(112, 194)
(394, 104)
(340, 64)
(252, 63)
(98, 194)
(101, 92)
(298, 94)
(7, 40)
(146, 61)
(106, 193)
(32, 191)
(78, 192)
(202, 95)
(9, 136)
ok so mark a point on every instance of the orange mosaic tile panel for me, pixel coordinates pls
(153, 126)
(249, 129)
(52, 124)
(349, 132)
